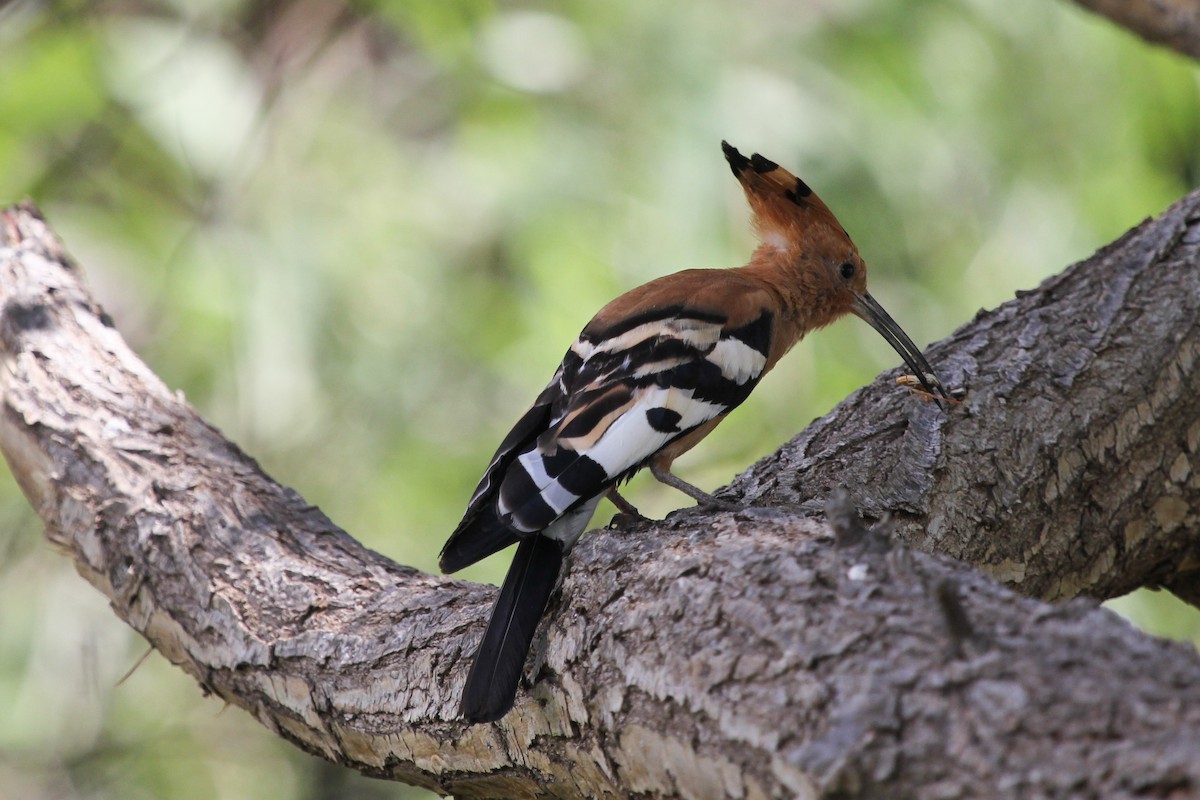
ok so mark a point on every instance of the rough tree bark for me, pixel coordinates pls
(1171, 23)
(759, 653)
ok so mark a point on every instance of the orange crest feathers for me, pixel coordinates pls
(786, 211)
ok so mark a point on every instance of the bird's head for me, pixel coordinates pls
(817, 266)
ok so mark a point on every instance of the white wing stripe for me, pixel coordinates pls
(739, 362)
(697, 333)
(551, 491)
(631, 439)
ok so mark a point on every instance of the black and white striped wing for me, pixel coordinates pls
(627, 392)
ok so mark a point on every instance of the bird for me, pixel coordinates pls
(653, 373)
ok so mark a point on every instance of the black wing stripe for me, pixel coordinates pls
(538, 489)
(523, 503)
(592, 414)
(756, 334)
(575, 472)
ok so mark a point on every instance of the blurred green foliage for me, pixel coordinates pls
(359, 236)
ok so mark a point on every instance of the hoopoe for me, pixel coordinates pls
(650, 376)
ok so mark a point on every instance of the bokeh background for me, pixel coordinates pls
(360, 235)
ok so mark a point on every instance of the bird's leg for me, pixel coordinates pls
(661, 470)
(624, 506)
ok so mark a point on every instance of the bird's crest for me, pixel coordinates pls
(787, 213)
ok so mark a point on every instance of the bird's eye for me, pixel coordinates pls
(847, 270)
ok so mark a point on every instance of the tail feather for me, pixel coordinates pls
(491, 685)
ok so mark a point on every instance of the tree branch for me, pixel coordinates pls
(1173, 23)
(748, 654)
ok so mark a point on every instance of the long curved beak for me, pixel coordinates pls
(868, 309)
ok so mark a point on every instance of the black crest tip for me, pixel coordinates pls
(761, 164)
(737, 161)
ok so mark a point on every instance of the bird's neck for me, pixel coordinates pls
(782, 271)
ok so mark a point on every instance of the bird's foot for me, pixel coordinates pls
(627, 513)
(716, 503)
(623, 520)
